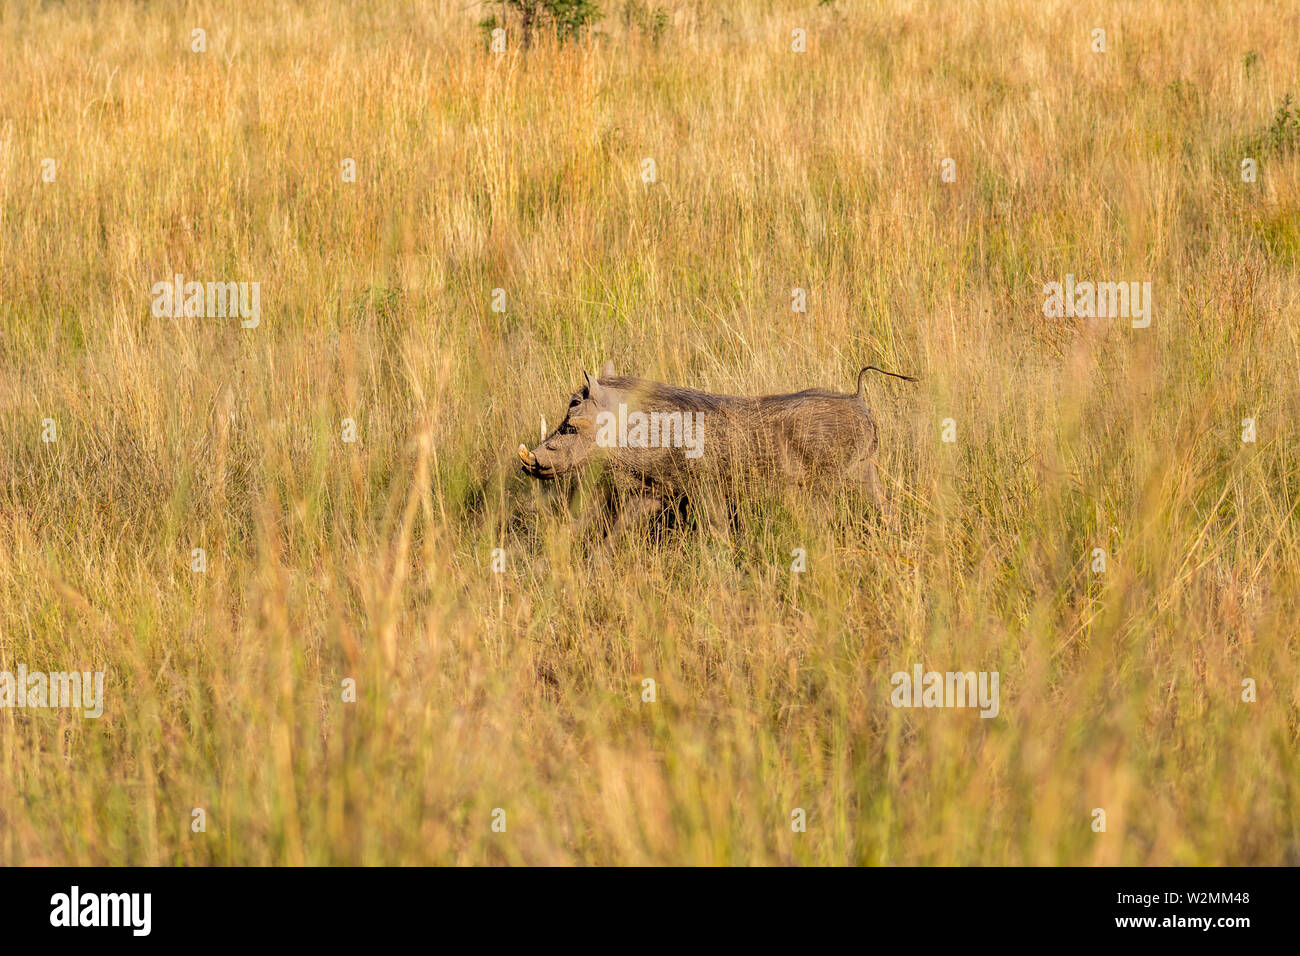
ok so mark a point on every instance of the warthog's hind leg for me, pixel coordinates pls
(871, 484)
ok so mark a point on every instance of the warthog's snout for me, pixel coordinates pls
(532, 466)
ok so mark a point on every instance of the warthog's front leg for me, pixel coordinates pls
(636, 510)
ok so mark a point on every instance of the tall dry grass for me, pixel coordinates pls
(522, 690)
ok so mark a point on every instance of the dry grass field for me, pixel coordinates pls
(515, 683)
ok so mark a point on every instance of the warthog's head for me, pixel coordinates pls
(569, 446)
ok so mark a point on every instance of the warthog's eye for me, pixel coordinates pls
(574, 402)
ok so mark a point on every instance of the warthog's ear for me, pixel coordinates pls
(607, 370)
(594, 391)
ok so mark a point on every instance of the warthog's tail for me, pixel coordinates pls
(862, 394)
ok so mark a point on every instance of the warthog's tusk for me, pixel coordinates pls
(526, 456)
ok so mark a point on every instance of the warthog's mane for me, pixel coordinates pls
(673, 397)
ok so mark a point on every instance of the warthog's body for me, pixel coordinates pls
(694, 441)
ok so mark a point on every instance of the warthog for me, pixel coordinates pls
(664, 443)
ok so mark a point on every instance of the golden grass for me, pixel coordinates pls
(522, 690)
